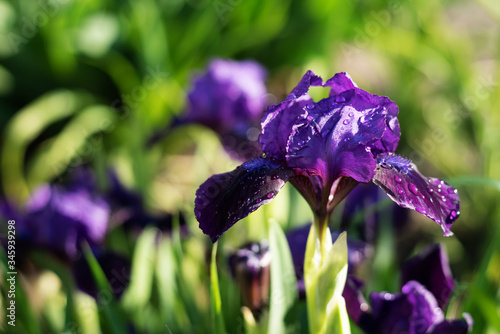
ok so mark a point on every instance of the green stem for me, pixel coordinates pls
(321, 224)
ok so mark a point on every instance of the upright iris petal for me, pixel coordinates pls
(327, 147)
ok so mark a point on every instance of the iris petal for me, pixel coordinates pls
(225, 198)
(431, 268)
(431, 197)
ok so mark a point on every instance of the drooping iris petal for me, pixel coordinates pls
(431, 269)
(431, 197)
(225, 198)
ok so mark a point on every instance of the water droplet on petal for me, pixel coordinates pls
(258, 200)
(453, 215)
(452, 191)
(351, 114)
(368, 149)
(270, 195)
(346, 121)
(413, 188)
(400, 191)
(398, 179)
(429, 189)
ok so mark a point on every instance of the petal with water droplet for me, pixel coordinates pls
(225, 198)
(432, 197)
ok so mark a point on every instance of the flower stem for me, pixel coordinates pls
(321, 226)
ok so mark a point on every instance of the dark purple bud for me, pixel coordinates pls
(250, 267)
(431, 269)
(224, 199)
(434, 198)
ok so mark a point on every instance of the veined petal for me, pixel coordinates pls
(334, 138)
(431, 197)
(225, 198)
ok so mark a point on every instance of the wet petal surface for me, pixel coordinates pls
(404, 184)
(225, 198)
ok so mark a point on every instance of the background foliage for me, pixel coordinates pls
(90, 82)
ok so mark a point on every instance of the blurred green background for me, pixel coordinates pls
(89, 83)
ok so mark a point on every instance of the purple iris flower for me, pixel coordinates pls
(324, 149)
(229, 98)
(61, 218)
(418, 308)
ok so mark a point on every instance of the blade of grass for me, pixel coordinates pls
(114, 319)
(217, 315)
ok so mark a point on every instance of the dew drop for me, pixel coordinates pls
(429, 189)
(400, 191)
(346, 121)
(397, 179)
(258, 200)
(413, 188)
(453, 215)
(452, 191)
(368, 149)
(270, 195)
(351, 114)
(275, 177)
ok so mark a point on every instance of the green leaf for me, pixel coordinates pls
(25, 126)
(114, 320)
(218, 317)
(141, 276)
(325, 278)
(283, 280)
